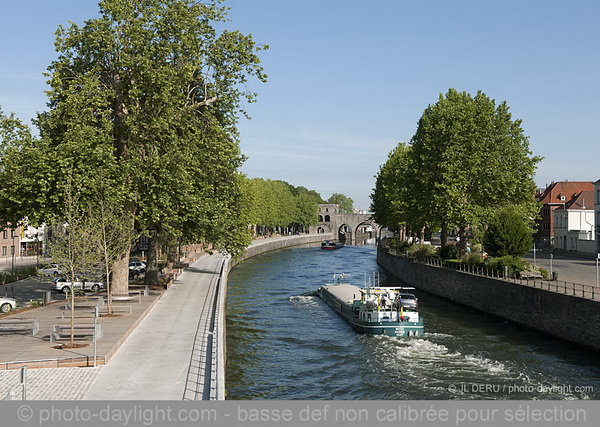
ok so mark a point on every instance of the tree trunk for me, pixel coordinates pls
(172, 254)
(422, 235)
(151, 277)
(444, 234)
(120, 274)
(462, 235)
(120, 269)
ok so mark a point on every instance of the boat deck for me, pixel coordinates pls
(344, 292)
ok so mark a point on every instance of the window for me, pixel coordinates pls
(12, 250)
(5, 235)
(3, 250)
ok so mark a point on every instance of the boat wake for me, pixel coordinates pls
(421, 366)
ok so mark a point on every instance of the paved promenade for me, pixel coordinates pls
(161, 359)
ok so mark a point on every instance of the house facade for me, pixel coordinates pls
(574, 225)
(10, 242)
(556, 195)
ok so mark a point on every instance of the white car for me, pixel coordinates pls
(7, 304)
(63, 285)
(50, 270)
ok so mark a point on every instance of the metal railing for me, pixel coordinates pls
(558, 286)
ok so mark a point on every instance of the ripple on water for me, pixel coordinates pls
(285, 345)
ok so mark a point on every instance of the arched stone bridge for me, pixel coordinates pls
(349, 228)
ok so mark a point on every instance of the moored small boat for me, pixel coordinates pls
(374, 310)
(330, 245)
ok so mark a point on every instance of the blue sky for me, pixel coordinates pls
(349, 79)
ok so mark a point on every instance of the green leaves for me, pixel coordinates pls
(346, 203)
(143, 103)
(466, 159)
(508, 233)
(277, 204)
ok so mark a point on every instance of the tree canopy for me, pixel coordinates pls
(345, 202)
(147, 97)
(467, 158)
(278, 204)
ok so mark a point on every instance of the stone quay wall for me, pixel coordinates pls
(267, 245)
(570, 318)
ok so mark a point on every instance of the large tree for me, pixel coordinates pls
(345, 202)
(148, 93)
(391, 199)
(468, 158)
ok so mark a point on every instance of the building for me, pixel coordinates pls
(556, 195)
(32, 240)
(574, 225)
(10, 241)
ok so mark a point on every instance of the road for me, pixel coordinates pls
(31, 288)
(574, 270)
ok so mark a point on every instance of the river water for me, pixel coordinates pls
(282, 345)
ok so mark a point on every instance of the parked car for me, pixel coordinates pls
(408, 301)
(138, 266)
(63, 284)
(50, 270)
(7, 304)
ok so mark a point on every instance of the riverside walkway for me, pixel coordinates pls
(168, 356)
(170, 348)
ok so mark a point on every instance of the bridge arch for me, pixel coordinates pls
(345, 226)
(345, 234)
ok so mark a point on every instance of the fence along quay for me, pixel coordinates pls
(559, 309)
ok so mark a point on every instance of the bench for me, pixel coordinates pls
(81, 330)
(20, 325)
(86, 303)
(134, 296)
(530, 275)
(116, 307)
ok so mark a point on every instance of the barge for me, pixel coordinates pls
(374, 310)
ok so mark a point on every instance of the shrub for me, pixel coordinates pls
(448, 252)
(19, 273)
(421, 252)
(513, 263)
(508, 234)
(476, 248)
(545, 274)
(473, 259)
(400, 246)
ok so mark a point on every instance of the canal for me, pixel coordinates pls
(282, 345)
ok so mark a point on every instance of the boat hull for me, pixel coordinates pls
(339, 304)
(329, 245)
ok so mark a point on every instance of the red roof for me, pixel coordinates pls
(564, 191)
(582, 201)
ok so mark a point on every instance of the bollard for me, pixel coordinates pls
(47, 297)
(23, 378)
